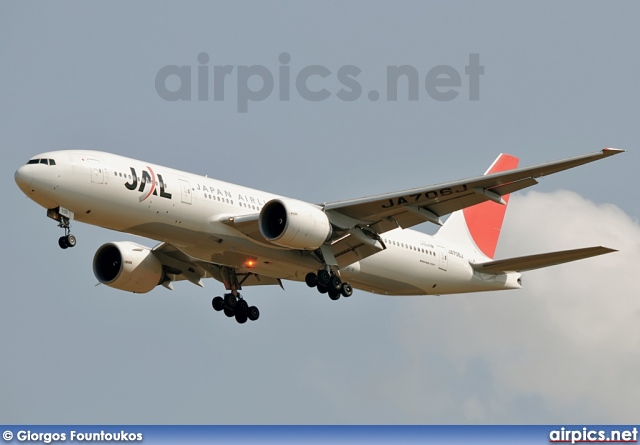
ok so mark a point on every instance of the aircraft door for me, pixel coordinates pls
(442, 258)
(185, 191)
(97, 172)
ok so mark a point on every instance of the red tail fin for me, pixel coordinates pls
(478, 227)
(485, 220)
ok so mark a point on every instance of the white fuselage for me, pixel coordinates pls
(186, 210)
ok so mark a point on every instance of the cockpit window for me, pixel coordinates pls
(42, 161)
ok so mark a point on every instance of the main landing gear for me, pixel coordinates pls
(232, 303)
(68, 240)
(236, 307)
(327, 282)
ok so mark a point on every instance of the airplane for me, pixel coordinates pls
(245, 237)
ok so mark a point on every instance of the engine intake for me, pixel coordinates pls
(127, 266)
(294, 224)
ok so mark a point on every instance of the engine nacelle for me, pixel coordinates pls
(127, 266)
(294, 224)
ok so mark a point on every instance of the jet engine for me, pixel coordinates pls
(294, 224)
(127, 266)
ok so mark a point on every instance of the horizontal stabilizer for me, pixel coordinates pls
(530, 262)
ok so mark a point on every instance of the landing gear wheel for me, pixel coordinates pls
(230, 301)
(322, 289)
(71, 240)
(311, 279)
(323, 277)
(228, 312)
(62, 242)
(217, 303)
(346, 290)
(253, 313)
(334, 283)
(241, 318)
(241, 308)
(334, 294)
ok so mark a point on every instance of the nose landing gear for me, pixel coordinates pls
(63, 216)
(68, 240)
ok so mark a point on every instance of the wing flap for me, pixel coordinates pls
(245, 278)
(179, 266)
(514, 186)
(531, 262)
(355, 246)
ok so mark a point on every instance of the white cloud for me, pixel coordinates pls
(563, 349)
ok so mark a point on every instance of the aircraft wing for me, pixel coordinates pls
(359, 222)
(179, 266)
(531, 262)
(407, 208)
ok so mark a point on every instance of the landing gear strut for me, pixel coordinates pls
(68, 240)
(232, 303)
(63, 216)
(327, 281)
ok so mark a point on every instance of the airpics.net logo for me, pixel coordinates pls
(313, 83)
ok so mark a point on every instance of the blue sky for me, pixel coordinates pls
(560, 79)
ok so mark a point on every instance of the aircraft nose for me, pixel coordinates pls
(24, 176)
